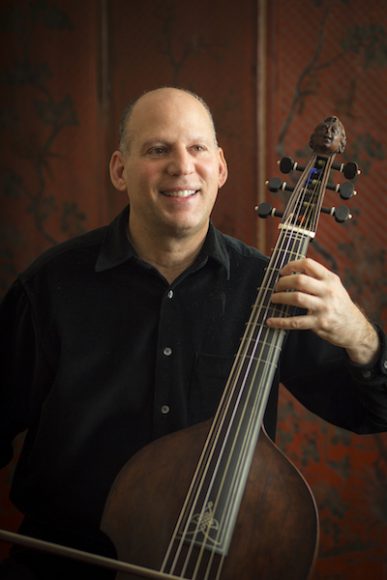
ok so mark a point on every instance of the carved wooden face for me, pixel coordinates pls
(329, 136)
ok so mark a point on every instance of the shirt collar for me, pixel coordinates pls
(117, 249)
(214, 248)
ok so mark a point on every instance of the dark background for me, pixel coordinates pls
(270, 71)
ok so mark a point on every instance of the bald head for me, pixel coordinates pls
(145, 104)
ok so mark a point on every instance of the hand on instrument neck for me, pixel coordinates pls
(330, 312)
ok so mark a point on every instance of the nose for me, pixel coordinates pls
(180, 162)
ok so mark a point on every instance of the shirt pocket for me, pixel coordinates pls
(208, 380)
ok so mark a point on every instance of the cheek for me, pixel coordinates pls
(140, 179)
(209, 171)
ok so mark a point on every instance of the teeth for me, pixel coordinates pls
(181, 193)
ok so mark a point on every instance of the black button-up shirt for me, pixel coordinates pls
(101, 355)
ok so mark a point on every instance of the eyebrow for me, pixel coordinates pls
(151, 142)
(164, 141)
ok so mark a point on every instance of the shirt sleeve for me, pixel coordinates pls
(324, 380)
(23, 369)
(372, 382)
(377, 371)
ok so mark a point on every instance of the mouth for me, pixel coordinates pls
(180, 193)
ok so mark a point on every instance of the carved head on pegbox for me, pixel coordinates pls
(329, 137)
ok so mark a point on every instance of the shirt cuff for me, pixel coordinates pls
(376, 371)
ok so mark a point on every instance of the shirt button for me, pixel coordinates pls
(170, 294)
(165, 409)
(167, 351)
(367, 374)
(385, 365)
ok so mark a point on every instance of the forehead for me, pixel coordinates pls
(169, 116)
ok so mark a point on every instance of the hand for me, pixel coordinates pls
(330, 312)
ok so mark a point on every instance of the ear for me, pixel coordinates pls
(223, 171)
(116, 169)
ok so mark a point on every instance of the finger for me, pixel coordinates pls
(306, 322)
(300, 282)
(305, 266)
(306, 301)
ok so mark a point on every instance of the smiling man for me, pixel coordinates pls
(128, 333)
(172, 168)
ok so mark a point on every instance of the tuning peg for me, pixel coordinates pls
(341, 214)
(275, 184)
(350, 169)
(346, 189)
(286, 165)
(265, 210)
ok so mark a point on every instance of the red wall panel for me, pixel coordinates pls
(67, 69)
(329, 58)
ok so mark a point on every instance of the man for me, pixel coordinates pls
(128, 333)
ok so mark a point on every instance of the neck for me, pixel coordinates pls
(169, 254)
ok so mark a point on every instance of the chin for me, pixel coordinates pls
(186, 229)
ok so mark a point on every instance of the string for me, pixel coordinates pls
(291, 238)
(204, 504)
(206, 498)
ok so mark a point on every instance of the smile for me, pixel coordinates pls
(180, 193)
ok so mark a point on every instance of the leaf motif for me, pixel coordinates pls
(369, 41)
(59, 114)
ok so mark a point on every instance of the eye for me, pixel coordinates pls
(157, 150)
(198, 147)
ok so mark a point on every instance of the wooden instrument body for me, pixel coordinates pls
(146, 498)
